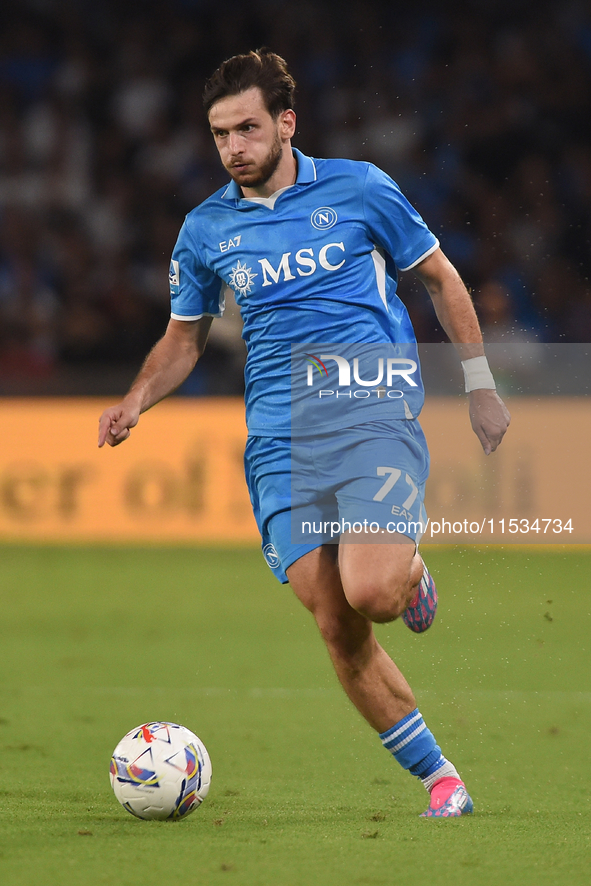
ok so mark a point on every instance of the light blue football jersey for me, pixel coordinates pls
(317, 262)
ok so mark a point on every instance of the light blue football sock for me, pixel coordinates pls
(415, 748)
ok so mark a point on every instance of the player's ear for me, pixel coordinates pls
(287, 124)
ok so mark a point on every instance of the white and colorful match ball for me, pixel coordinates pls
(160, 771)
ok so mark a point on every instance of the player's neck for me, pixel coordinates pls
(284, 176)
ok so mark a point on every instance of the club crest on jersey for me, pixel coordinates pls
(241, 279)
(323, 218)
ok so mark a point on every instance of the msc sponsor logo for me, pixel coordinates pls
(324, 218)
(241, 279)
(305, 263)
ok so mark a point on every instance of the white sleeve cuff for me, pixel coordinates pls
(422, 257)
(174, 316)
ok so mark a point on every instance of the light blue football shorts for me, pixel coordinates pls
(367, 480)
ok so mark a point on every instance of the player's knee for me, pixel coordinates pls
(377, 602)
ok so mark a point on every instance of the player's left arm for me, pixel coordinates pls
(455, 311)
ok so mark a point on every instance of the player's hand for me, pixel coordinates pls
(489, 417)
(115, 424)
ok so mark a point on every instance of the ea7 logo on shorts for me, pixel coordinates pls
(323, 218)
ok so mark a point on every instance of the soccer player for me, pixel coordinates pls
(311, 249)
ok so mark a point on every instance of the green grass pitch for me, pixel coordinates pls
(96, 641)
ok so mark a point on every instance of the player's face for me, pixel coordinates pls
(251, 143)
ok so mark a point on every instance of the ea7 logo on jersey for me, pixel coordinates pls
(231, 243)
(305, 263)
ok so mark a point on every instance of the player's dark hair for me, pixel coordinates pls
(261, 68)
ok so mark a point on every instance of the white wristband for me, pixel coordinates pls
(477, 374)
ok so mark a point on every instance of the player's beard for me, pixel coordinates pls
(260, 175)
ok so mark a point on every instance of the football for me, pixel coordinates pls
(160, 771)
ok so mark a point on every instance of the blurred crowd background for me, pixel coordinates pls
(480, 110)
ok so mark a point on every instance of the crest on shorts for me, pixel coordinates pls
(271, 556)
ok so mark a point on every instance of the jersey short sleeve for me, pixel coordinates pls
(393, 221)
(195, 291)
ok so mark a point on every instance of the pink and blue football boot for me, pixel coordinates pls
(449, 799)
(421, 611)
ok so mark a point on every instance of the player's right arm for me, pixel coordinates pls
(166, 367)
